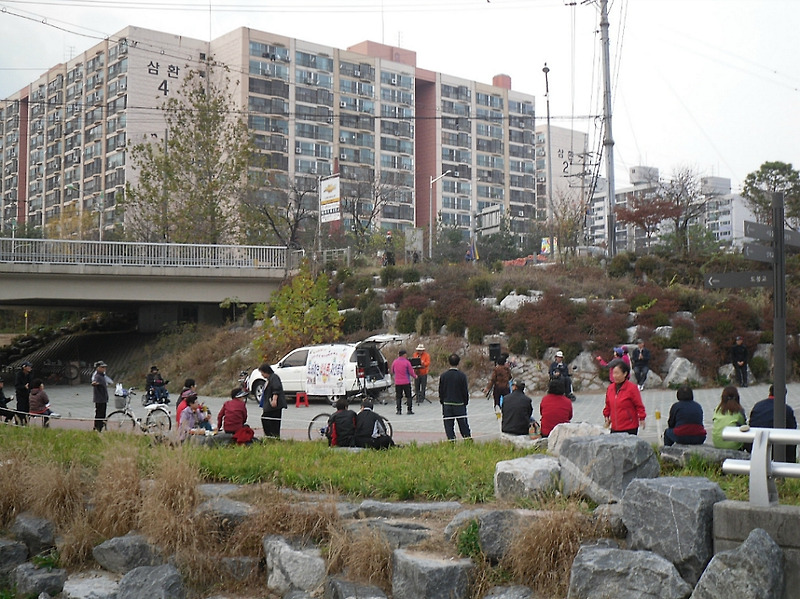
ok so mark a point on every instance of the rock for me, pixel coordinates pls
(665, 332)
(398, 533)
(510, 592)
(670, 354)
(568, 430)
(30, 580)
(153, 582)
(496, 530)
(123, 554)
(602, 467)
(292, 568)
(12, 554)
(38, 534)
(338, 588)
(653, 381)
(610, 515)
(600, 573)
(584, 362)
(240, 568)
(682, 371)
(460, 520)
(523, 441)
(512, 302)
(370, 508)
(417, 575)
(681, 454)
(224, 512)
(91, 585)
(217, 489)
(752, 571)
(526, 477)
(672, 517)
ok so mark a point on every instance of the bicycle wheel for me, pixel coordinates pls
(388, 424)
(317, 427)
(121, 422)
(158, 422)
(72, 372)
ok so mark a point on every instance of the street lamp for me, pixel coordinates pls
(432, 214)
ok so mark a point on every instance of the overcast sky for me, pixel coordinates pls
(712, 85)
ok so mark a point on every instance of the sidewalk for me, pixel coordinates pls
(75, 405)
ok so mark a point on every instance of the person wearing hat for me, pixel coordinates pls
(371, 428)
(22, 387)
(403, 372)
(620, 353)
(517, 411)
(559, 370)
(233, 414)
(157, 383)
(421, 382)
(739, 360)
(100, 383)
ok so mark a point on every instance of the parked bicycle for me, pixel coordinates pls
(56, 372)
(157, 421)
(318, 427)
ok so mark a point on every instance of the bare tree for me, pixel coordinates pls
(569, 214)
(279, 214)
(683, 191)
(363, 203)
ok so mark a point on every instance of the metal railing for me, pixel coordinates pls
(121, 253)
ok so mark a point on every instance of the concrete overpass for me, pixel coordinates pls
(159, 280)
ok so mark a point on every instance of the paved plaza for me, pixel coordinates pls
(425, 425)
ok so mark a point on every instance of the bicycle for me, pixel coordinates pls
(318, 427)
(157, 421)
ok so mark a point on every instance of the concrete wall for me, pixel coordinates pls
(734, 520)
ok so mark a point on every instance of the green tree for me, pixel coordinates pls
(192, 182)
(770, 178)
(498, 246)
(304, 313)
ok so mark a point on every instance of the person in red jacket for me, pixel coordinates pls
(233, 414)
(555, 407)
(624, 411)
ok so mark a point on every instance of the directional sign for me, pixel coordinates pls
(760, 253)
(720, 280)
(764, 233)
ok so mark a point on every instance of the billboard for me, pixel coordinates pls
(329, 200)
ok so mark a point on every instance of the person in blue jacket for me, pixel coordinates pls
(685, 423)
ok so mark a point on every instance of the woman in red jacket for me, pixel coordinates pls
(624, 410)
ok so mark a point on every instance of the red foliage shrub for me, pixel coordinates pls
(602, 325)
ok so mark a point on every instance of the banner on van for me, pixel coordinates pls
(325, 373)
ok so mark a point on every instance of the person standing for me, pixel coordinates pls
(421, 382)
(624, 411)
(499, 381)
(454, 397)
(388, 250)
(273, 402)
(763, 416)
(22, 387)
(620, 354)
(739, 360)
(729, 412)
(555, 407)
(100, 383)
(685, 422)
(403, 372)
(641, 363)
(517, 411)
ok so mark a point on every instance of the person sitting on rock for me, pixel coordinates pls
(685, 423)
(517, 411)
(555, 407)
(729, 412)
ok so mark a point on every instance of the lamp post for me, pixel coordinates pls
(100, 206)
(433, 214)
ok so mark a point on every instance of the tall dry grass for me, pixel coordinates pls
(542, 551)
(116, 496)
(12, 492)
(365, 556)
(55, 492)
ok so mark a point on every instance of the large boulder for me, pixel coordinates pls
(12, 554)
(290, 567)
(398, 533)
(526, 477)
(681, 454)
(496, 530)
(31, 580)
(123, 554)
(672, 516)
(511, 592)
(338, 588)
(681, 372)
(602, 572)
(226, 513)
(670, 355)
(754, 570)
(38, 534)
(568, 430)
(417, 575)
(602, 467)
(91, 585)
(153, 582)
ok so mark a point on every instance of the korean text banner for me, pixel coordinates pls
(329, 200)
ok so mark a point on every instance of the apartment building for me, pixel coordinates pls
(422, 146)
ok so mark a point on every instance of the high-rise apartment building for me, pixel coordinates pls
(397, 134)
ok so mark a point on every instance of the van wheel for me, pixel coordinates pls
(258, 389)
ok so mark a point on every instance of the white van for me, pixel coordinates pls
(332, 370)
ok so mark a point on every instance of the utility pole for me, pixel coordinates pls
(608, 139)
(550, 207)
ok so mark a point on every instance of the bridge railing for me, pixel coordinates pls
(121, 253)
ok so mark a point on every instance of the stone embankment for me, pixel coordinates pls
(659, 544)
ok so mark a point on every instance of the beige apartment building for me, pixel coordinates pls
(367, 112)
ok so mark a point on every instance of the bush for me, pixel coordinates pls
(475, 334)
(680, 335)
(388, 274)
(456, 326)
(480, 286)
(516, 344)
(407, 320)
(352, 322)
(372, 318)
(648, 265)
(619, 266)
(507, 288)
(430, 323)
(411, 275)
(759, 366)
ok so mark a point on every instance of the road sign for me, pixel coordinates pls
(720, 280)
(760, 253)
(764, 233)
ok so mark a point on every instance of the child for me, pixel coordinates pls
(40, 403)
